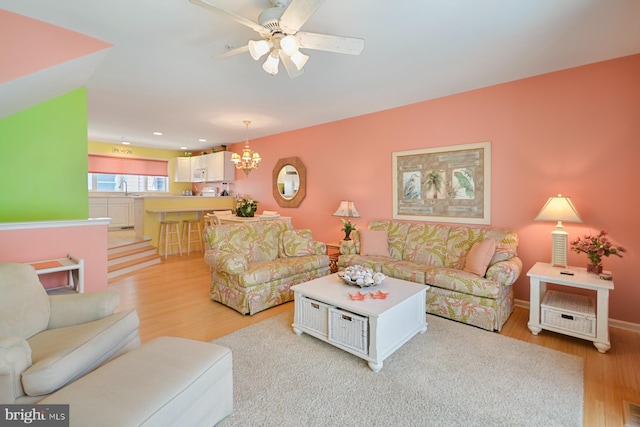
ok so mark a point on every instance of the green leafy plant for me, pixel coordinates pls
(347, 227)
(246, 206)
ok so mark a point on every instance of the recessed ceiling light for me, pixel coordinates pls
(126, 143)
(183, 148)
(157, 133)
(202, 140)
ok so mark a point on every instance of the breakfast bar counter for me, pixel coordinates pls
(198, 211)
(149, 211)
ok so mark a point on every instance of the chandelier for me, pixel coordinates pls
(250, 159)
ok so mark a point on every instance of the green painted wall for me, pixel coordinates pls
(43, 161)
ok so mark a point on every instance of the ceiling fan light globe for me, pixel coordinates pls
(289, 44)
(271, 64)
(257, 48)
(299, 59)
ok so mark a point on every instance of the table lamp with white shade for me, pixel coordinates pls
(559, 208)
(347, 209)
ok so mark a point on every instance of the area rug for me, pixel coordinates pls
(452, 375)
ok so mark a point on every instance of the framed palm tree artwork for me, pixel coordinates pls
(443, 184)
(435, 184)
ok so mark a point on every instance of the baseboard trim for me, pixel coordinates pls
(614, 323)
(624, 325)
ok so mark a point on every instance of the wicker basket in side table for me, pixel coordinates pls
(575, 313)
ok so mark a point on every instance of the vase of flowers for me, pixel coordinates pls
(245, 206)
(596, 247)
(347, 227)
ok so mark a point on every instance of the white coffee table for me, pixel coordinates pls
(371, 329)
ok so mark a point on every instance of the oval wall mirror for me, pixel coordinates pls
(289, 182)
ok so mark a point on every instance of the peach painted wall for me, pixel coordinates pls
(575, 132)
(88, 242)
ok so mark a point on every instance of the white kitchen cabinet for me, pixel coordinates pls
(98, 207)
(132, 215)
(219, 167)
(212, 167)
(198, 168)
(119, 208)
(182, 169)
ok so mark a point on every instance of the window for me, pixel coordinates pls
(108, 173)
(134, 183)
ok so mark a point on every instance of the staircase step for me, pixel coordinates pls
(129, 246)
(121, 257)
(130, 257)
(133, 265)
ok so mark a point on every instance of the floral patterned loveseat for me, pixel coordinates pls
(254, 265)
(435, 254)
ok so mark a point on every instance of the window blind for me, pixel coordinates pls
(127, 166)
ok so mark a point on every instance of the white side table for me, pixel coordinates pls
(72, 264)
(542, 273)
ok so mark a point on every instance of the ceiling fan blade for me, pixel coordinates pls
(291, 68)
(338, 44)
(297, 13)
(210, 5)
(231, 52)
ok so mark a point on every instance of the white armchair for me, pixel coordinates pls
(46, 342)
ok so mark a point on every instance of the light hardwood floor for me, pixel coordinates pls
(172, 298)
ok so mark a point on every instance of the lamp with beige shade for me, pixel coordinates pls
(559, 208)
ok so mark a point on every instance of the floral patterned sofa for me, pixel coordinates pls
(436, 255)
(254, 265)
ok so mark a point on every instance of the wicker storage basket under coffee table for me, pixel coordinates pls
(371, 329)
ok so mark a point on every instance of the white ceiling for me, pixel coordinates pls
(160, 76)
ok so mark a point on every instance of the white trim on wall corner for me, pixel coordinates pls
(54, 224)
(612, 322)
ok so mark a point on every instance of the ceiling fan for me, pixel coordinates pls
(279, 26)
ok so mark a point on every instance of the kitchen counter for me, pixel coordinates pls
(150, 210)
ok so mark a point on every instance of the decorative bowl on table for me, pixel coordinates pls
(357, 275)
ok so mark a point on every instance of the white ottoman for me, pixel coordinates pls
(165, 382)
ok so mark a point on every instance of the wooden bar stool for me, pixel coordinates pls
(189, 228)
(210, 220)
(169, 236)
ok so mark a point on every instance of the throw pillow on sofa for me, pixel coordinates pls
(298, 243)
(374, 242)
(479, 257)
